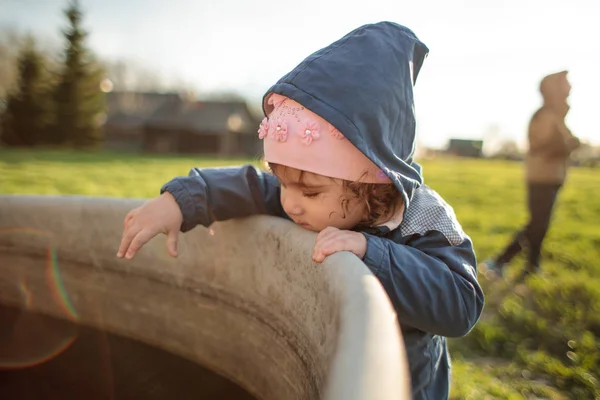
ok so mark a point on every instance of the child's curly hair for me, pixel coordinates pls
(381, 200)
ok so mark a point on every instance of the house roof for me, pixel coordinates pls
(170, 111)
(204, 117)
(132, 109)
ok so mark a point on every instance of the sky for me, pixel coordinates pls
(479, 81)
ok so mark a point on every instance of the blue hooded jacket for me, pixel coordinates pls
(363, 85)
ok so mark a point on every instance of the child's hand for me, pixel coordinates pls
(159, 215)
(331, 240)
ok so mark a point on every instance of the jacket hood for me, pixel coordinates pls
(555, 89)
(363, 85)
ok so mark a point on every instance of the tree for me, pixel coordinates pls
(11, 43)
(78, 99)
(508, 150)
(26, 116)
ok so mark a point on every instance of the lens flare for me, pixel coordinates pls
(30, 287)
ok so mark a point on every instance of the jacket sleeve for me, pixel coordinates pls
(218, 194)
(431, 283)
(571, 141)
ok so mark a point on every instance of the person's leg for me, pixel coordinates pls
(517, 244)
(494, 268)
(512, 249)
(541, 204)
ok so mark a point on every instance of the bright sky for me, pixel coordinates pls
(485, 63)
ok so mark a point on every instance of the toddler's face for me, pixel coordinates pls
(316, 201)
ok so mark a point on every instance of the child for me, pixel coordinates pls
(339, 139)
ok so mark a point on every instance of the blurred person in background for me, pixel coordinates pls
(550, 146)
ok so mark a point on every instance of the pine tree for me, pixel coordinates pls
(78, 99)
(26, 116)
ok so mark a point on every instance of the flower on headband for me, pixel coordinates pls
(275, 103)
(310, 132)
(263, 129)
(336, 134)
(278, 130)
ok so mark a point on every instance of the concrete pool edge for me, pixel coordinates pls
(305, 330)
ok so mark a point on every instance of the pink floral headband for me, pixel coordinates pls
(298, 138)
(277, 127)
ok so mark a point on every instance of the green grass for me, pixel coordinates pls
(91, 173)
(541, 342)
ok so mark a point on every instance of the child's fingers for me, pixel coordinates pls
(330, 230)
(172, 242)
(318, 243)
(327, 246)
(128, 234)
(325, 251)
(129, 217)
(323, 236)
(138, 241)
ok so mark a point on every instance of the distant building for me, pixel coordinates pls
(170, 123)
(127, 113)
(465, 148)
(225, 128)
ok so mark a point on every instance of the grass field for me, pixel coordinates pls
(543, 342)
